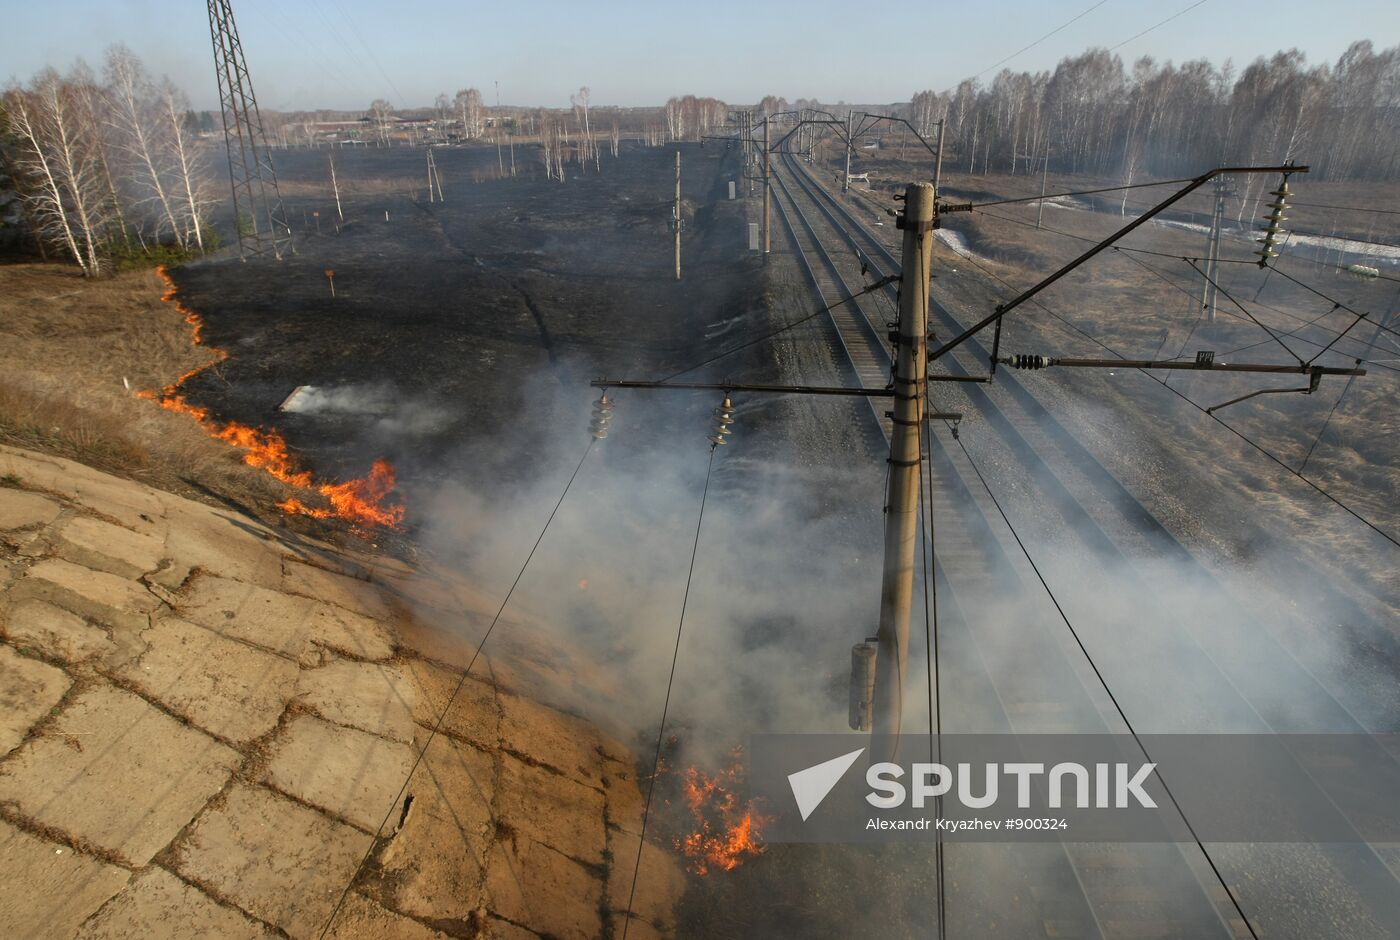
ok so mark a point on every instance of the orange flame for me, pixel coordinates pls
(725, 831)
(358, 501)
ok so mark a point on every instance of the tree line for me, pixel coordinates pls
(108, 167)
(1092, 115)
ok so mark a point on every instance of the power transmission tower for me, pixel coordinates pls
(258, 212)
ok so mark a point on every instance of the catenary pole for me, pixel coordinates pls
(902, 493)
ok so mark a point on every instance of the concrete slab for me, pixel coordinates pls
(433, 866)
(20, 510)
(30, 907)
(448, 639)
(116, 772)
(200, 537)
(369, 696)
(103, 597)
(350, 633)
(351, 774)
(660, 881)
(256, 615)
(362, 597)
(497, 929)
(227, 688)
(474, 715)
(533, 885)
(158, 906)
(626, 801)
(636, 929)
(28, 689)
(279, 861)
(361, 919)
(574, 823)
(568, 744)
(105, 547)
(54, 632)
(42, 471)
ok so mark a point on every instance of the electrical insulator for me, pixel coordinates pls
(1273, 228)
(602, 417)
(724, 417)
(1023, 361)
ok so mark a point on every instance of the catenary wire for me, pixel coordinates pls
(1229, 427)
(670, 682)
(1130, 252)
(461, 681)
(1154, 26)
(1098, 673)
(1027, 48)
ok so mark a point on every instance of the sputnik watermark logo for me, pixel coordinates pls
(811, 785)
(833, 788)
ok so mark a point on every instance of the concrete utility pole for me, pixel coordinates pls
(500, 161)
(902, 494)
(1044, 179)
(846, 182)
(767, 195)
(1217, 219)
(678, 214)
(938, 158)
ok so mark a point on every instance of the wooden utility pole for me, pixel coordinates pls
(767, 195)
(434, 180)
(336, 186)
(902, 491)
(677, 211)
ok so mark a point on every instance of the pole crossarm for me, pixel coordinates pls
(1045, 362)
(765, 389)
(877, 118)
(1003, 309)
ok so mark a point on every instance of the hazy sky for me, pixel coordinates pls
(344, 53)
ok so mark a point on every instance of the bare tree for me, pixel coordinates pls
(58, 155)
(381, 114)
(133, 119)
(580, 103)
(188, 158)
(468, 102)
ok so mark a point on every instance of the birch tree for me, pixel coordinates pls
(57, 153)
(468, 103)
(137, 131)
(188, 157)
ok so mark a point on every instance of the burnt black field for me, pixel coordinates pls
(481, 315)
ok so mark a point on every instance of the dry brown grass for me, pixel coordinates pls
(73, 353)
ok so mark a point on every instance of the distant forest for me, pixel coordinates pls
(1097, 117)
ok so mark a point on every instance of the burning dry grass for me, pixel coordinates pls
(725, 829)
(361, 502)
(74, 351)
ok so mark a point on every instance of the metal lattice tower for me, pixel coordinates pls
(259, 215)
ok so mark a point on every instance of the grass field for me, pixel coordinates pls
(73, 354)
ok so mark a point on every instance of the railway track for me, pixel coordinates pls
(1122, 891)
